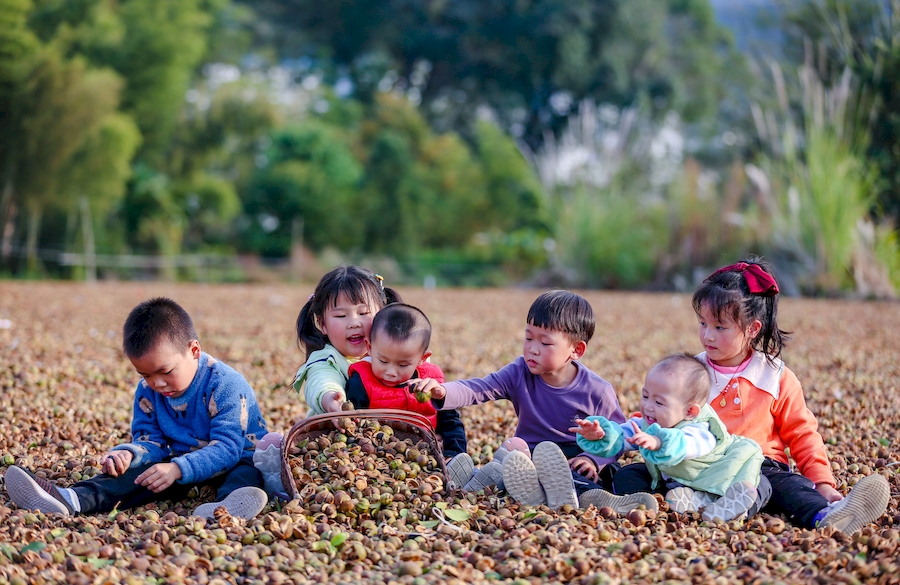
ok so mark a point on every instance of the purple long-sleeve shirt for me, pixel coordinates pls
(545, 412)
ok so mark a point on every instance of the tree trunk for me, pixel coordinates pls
(31, 251)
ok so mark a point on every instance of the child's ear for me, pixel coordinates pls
(754, 329)
(368, 346)
(194, 348)
(579, 349)
(692, 411)
(425, 357)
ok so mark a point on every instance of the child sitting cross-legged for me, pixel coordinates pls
(195, 423)
(689, 455)
(548, 388)
(398, 351)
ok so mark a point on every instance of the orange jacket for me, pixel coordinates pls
(765, 403)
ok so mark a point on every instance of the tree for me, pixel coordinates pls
(531, 62)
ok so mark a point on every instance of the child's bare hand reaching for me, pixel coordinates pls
(427, 387)
(642, 439)
(589, 429)
(116, 462)
(332, 402)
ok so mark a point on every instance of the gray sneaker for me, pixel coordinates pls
(31, 492)
(621, 504)
(245, 502)
(684, 499)
(738, 499)
(491, 473)
(865, 503)
(460, 468)
(521, 480)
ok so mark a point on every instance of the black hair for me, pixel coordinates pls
(155, 320)
(401, 322)
(727, 293)
(691, 374)
(561, 310)
(358, 284)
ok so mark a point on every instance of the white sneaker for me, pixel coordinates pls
(555, 475)
(521, 480)
(738, 499)
(865, 503)
(245, 502)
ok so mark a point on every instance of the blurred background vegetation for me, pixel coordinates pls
(581, 143)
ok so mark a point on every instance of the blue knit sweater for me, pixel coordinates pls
(205, 431)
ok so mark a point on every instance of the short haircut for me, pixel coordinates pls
(690, 374)
(153, 321)
(561, 310)
(401, 322)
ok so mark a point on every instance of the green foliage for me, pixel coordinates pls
(311, 176)
(514, 56)
(609, 236)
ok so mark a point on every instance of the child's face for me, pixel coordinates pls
(725, 341)
(662, 401)
(547, 352)
(347, 326)
(167, 370)
(395, 362)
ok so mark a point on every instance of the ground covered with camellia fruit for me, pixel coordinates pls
(67, 395)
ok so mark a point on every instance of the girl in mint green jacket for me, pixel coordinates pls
(332, 330)
(689, 454)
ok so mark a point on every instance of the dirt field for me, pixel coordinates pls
(67, 395)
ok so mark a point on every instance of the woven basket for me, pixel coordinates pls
(406, 425)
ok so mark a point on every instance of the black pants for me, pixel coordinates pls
(103, 493)
(635, 478)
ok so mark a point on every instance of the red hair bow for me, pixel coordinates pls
(758, 280)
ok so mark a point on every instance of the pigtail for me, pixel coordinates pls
(309, 337)
(391, 296)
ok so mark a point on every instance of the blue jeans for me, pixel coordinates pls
(103, 493)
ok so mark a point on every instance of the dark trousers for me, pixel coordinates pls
(635, 478)
(793, 495)
(103, 493)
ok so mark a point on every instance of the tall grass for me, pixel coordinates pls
(821, 186)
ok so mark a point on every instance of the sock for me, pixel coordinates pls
(820, 515)
(71, 497)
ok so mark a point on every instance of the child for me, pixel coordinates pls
(683, 443)
(195, 423)
(757, 396)
(549, 389)
(398, 350)
(333, 330)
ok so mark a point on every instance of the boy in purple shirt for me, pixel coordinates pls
(549, 389)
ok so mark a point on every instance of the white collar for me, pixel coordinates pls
(760, 372)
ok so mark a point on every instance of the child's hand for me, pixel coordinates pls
(332, 402)
(159, 477)
(642, 439)
(830, 494)
(589, 429)
(427, 386)
(586, 467)
(116, 462)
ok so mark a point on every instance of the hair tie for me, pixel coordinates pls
(758, 280)
(311, 297)
(380, 280)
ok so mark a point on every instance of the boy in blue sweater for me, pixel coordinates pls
(196, 422)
